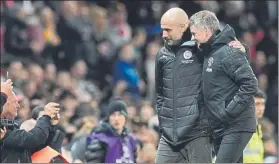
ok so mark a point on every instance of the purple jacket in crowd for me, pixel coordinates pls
(106, 146)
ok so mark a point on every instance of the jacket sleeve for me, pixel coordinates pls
(237, 67)
(20, 139)
(159, 82)
(54, 140)
(95, 152)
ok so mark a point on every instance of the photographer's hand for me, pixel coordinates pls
(3, 132)
(51, 109)
(56, 120)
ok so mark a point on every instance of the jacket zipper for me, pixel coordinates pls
(173, 95)
(205, 105)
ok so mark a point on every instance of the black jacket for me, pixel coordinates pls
(179, 93)
(228, 85)
(19, 144)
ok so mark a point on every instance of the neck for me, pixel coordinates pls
(208, 38)
(257, 121)
(119, 131)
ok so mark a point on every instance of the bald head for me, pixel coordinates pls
(174, 16)
(173, 24)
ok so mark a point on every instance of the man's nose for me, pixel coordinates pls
(165, 34)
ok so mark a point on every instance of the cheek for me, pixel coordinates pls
(198, 37)
(123, 120)
(111, 120)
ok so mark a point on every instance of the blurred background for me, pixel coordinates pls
(72, 52)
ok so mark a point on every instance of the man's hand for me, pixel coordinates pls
(3, 132)
(51, 109)
(237, 44)
(7, 87)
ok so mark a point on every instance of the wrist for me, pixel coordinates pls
(47, 116)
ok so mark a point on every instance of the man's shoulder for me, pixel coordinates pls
(226, 52)
(162, 54)
(229, 53)
(162, 50)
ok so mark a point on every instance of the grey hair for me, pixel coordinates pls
(205, 19)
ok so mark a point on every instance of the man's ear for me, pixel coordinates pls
(184, 27)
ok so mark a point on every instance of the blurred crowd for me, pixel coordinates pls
(82, 53)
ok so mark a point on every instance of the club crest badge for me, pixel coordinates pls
(187, 54)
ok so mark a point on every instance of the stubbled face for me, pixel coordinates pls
(172, 33)
(200, 35)
(117, 121)
(260, 107)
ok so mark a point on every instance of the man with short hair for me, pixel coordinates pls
(19, 144)
(254, 150)
(5, 89)
(228, 87)
(182, 119)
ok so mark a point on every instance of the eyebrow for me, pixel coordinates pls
(166, 28)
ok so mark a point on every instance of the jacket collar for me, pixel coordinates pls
(218, 39)
(185, 37)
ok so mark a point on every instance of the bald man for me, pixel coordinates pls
(182, 119)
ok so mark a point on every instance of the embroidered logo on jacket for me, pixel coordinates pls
(210, 62)
(187, 55)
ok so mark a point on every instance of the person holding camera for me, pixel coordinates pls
(5, 87)
(18, 145)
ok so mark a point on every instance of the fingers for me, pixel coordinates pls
(53, 104)
(3, 132)
(234, 43)
(52, 109)
(9, 81)
(55, 109)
